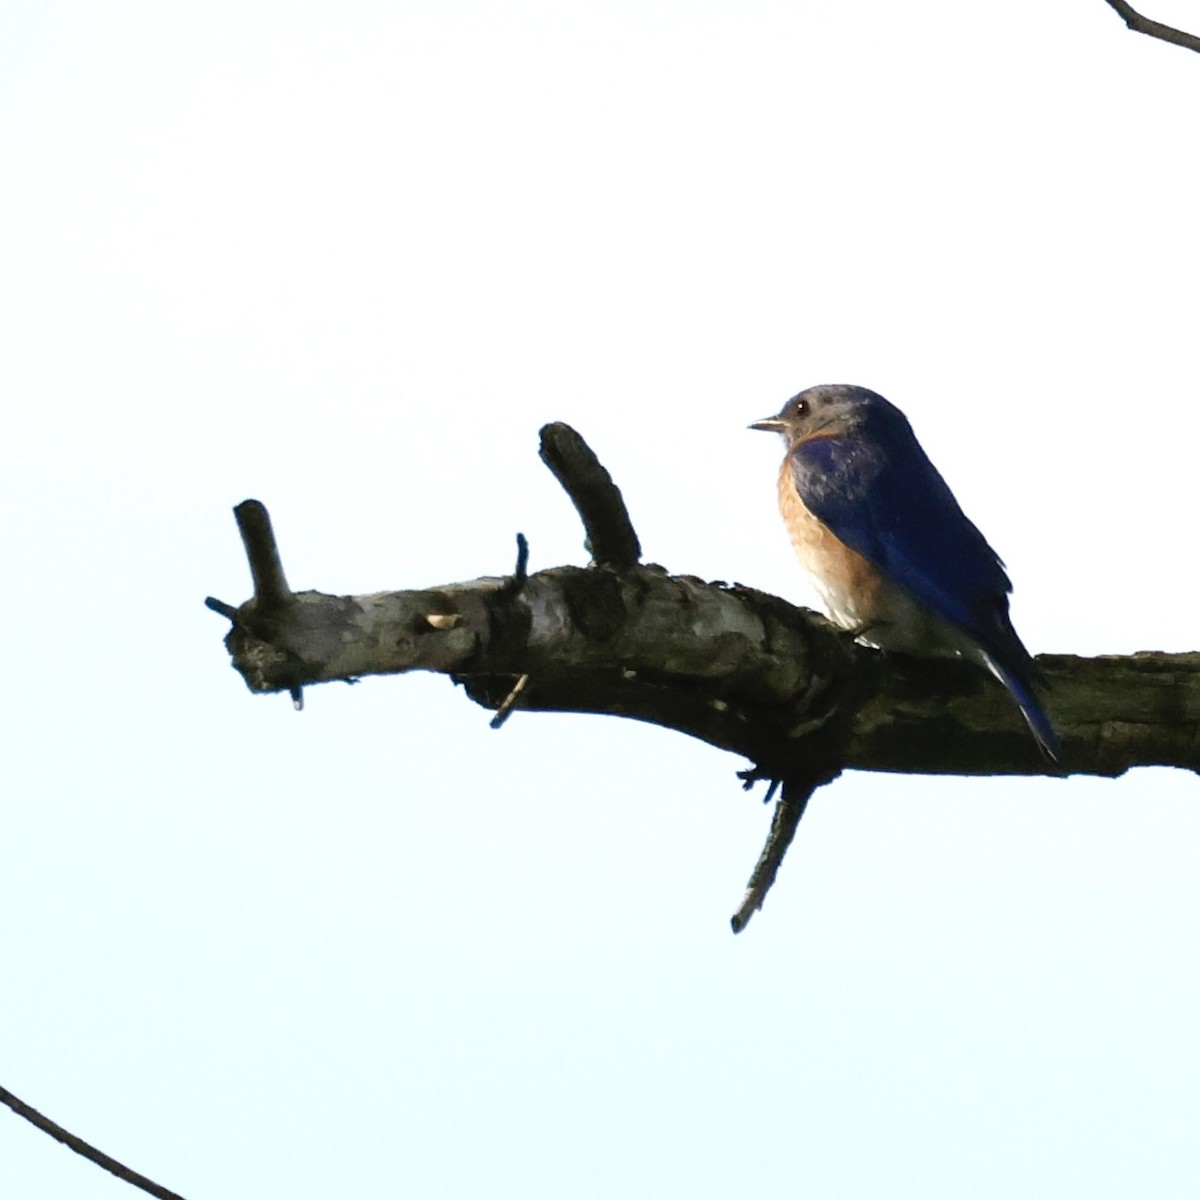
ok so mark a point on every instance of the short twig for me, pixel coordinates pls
(270, 587)
(1155, 29)
(81, 1147)
(219, 606)
(788, 811)
(505, 709)
(611, 540)
(521, 570)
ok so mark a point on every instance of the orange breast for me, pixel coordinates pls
(850, 586)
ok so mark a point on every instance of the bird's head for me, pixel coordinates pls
(830, 410)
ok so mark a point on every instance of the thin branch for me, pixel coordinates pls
(793, 800)
(81, 1147)
(611, 539)
(271, 590)
(1155, 29)
(219, 606)
(505, 709)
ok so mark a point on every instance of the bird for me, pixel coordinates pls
(892, 555)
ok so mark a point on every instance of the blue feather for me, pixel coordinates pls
(877, 491)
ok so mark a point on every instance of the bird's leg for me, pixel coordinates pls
(859, 632)
(756, 774)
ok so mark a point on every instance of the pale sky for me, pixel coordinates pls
(347, 259)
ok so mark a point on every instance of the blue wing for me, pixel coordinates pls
(889, 503)
(886, 500)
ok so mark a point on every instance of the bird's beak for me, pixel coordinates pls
(770, 425)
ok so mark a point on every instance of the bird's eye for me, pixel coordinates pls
(800, 407)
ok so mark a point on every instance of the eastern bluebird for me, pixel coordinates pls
(890, 551)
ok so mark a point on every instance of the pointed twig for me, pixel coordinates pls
(610, 538)
(77, 1144)
(1154, 29)
(219, 606)
(505, 709)
(793, 800)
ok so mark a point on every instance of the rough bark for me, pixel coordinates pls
(732, 666)
(737, 668)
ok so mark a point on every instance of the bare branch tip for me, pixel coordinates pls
(793, 800)
(271, 590)
(609, 533)
(221, 608)
(506, 708)
(85, 1149)
(1155, 29)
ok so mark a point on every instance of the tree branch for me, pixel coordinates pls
(1155, 29)
(81, 1147)
(272, 596)
(793, 801)
(266, 568)
(734, 667)
(610, 538)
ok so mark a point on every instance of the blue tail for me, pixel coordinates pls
(1020, 687)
